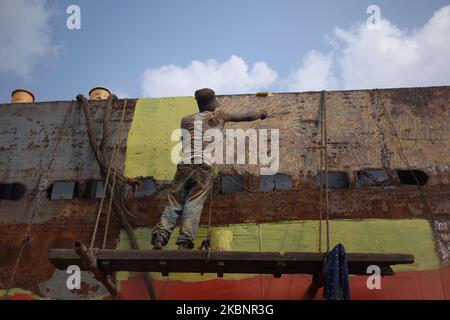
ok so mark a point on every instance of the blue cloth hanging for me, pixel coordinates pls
(335, 269)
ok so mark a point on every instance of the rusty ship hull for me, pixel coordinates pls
(384, 132)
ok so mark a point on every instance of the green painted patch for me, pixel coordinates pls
(376, 236)
(149, 143)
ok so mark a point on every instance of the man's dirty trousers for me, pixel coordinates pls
(187, 194)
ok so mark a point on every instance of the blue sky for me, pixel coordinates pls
(124, 45)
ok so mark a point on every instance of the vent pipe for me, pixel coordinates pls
(99, 93)
(22, 96)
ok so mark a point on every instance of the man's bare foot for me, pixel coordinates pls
(183, 247)
(157, 245)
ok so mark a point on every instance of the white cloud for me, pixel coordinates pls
(24, 35)
(384, 57)
(232, 76)
(314, 74)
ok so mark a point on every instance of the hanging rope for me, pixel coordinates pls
(321, 171)
(208, 235)
(103, 144)
(100, 157)
(323, 163)
(206, 244)
(106, 182)
(119, 206)
(409, 167)
(403, 154)
(42, 188)
(108, 215)
(327, 201)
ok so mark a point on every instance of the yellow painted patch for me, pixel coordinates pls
(149, 143)
(375, 236)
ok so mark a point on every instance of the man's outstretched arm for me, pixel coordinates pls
(248, 116)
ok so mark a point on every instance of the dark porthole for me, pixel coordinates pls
(412, 177)
(231, 184)
(276, 182)
(336, 180)
(94, 190)
(62, 190)
(372, 178)
(147, 188)
(11, 191)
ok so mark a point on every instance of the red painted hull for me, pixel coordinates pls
(409, 285)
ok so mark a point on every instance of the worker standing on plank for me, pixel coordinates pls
(195, 173)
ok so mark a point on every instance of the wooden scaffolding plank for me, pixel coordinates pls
(195, 261)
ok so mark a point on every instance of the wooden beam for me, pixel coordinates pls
(196, 261)
(89, 262)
